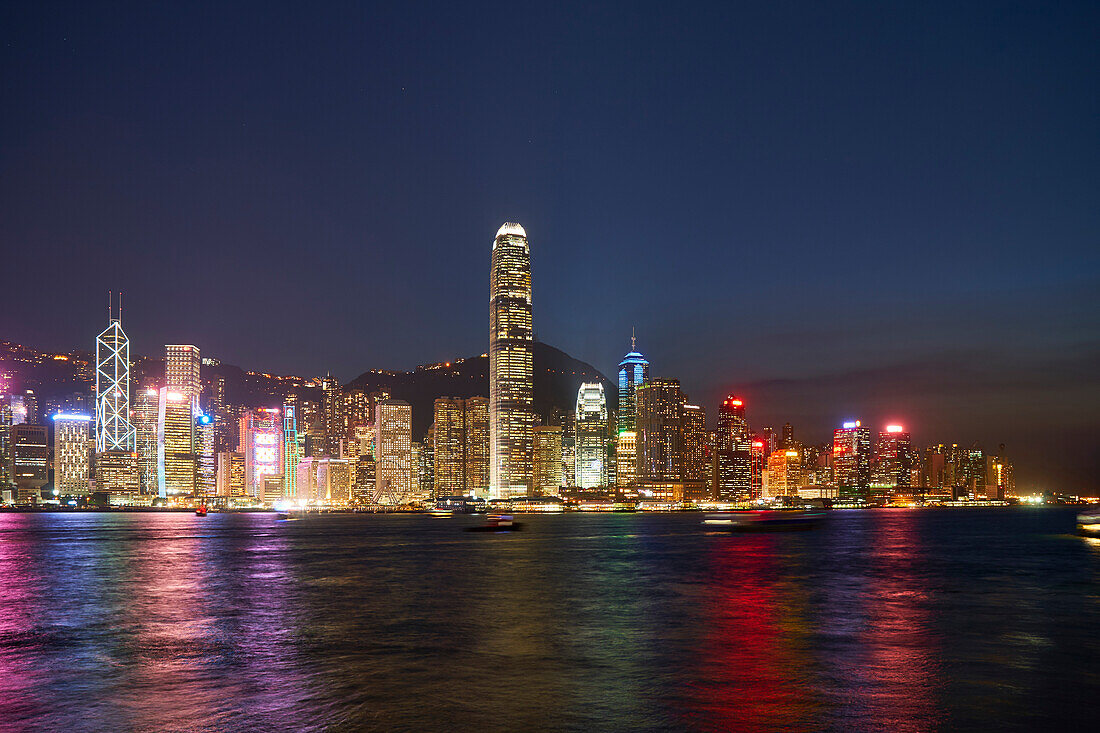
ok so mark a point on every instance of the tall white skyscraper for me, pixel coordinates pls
(511, 386)
(113, 430)
(591, 445)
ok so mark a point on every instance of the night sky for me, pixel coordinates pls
(888, 211)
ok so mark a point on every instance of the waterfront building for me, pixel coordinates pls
(229, 481)
(511, 360)
(113, 430)
(852, 460)
(693, 422)
(290, 451)
(204, 455)
(569, 449)
(892, 459)
(72, 453)
(116, 472)
(733, 446)
(28, 453)
(425, 466)
(177, 463)
(393, 451)
(591, 436)
(626, 455)
(1000, 481)
(261, 441)
(547, 466)
(146, 418)
(331, 404)
(784, 473)
(476, 437)
(659, 434)
(272, 488)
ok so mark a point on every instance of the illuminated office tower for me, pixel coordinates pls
(116, 472)
(892, 458)
(626, 453)
(24, 408)
(261, 441)
(693, 424)
(72, 456)
(591, 436)
(5, 439)
(569, 449)
(181, 369)
(969, 474)
(425, 467)
(330, 414)
(511, 359)
(449, 443)
(146, 415)
(393, 451)
(229, 480)
(733, 447)
(999, 476)
(204, 455)
(659, 435)
(784, 474)
(177, 464)
(477, 446)
(290, 451)
(758, 463)
(852, 460)
(633, 370)
(547, 465)
(113, 430)
(28, 453)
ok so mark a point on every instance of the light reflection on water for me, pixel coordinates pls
(899, 620)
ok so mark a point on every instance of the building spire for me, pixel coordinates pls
(632, 339)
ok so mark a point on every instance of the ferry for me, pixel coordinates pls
(765, 520)
(497, 523)
(200, 511)
(441, 512)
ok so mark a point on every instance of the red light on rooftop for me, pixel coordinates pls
(894, 429)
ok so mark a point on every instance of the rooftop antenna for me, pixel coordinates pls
(632, 339)
(110, 303)
(120, 306)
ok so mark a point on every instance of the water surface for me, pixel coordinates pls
(881, 620)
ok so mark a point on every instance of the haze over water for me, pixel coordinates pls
(893, 619)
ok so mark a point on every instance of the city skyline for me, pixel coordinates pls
(846, 237)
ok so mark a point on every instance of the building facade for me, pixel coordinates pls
(511, 363)
(591, 436)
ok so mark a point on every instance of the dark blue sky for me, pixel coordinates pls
(883, 210)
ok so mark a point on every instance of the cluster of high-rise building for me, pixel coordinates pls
(178, 438)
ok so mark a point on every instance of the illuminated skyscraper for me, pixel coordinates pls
(733, 446)
(72, 454)
(290, 451)
(229, 481)
(204, 455)
(177, 463)
(511, 360)
(450, 455)
(393, 451)
(261, 441)
(693, 422)
(330, 414)
(660, 438)
(893, 458)
(591, 440)
(28, 453)
(113, 431)
(852, 460)
(784, 473)
(626, 452)
(181, 369)
(477, 446)
(633, 370)
(547, 468)
(146, 424)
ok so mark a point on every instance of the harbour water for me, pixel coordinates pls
(879, 620)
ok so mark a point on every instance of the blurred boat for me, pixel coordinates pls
(200, 511)
(1088, 521)
(497, 523)
(441, 512)
(765, 520)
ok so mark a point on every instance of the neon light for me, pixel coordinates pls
(894, 428)
(850, 425)
(71, 416)
(175, 396)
